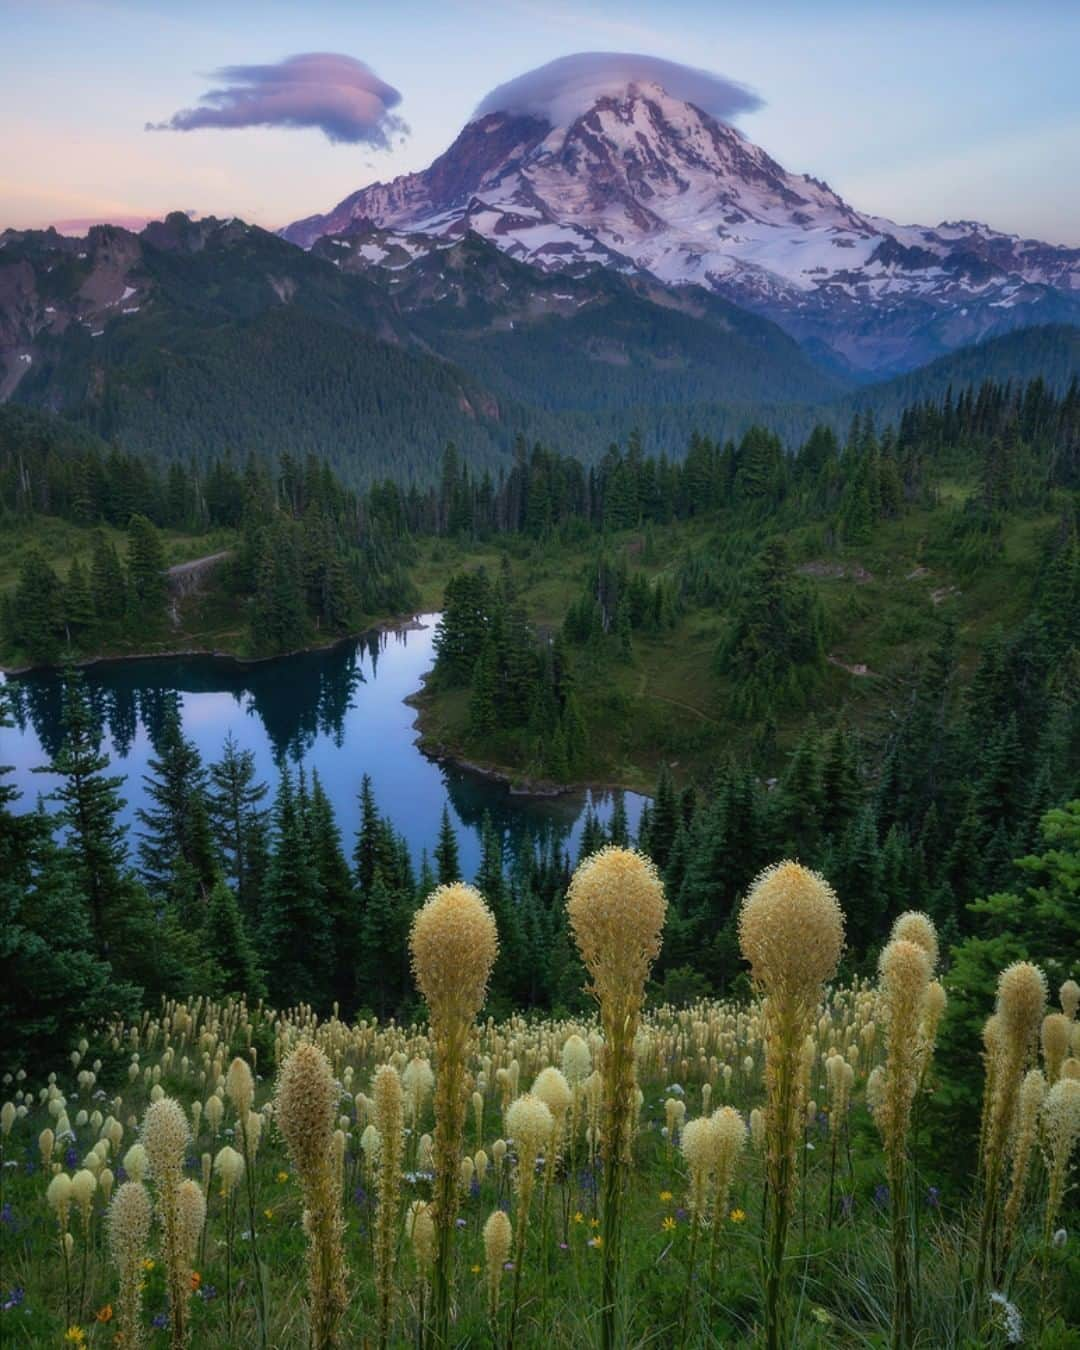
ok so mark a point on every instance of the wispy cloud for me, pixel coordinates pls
(339, 95)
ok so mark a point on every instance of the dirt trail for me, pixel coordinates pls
(197, 564)
(643, 692)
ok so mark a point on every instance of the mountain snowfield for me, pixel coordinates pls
(644, 181)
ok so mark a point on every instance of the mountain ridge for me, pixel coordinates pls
(645, 182)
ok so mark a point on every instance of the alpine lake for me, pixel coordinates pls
(339, 712)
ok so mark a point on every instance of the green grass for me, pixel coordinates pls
(670, 705)
(61, 542)
(839, 1271)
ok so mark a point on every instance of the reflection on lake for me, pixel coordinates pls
(339, 711)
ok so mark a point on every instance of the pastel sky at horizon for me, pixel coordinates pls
(916, 111)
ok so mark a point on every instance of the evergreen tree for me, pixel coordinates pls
(294, 930)
(664, 820)
(447, 860)
(856, 874)
(79, 616)
(89, 802)
(800, 802)
(108, 585)
(146, 571)
(52, 979)
(235, 966)
(482, 716)
(239, 821)
(619, 827)
(176, 849)
(35, 618)
(383, 930)
(339, 896)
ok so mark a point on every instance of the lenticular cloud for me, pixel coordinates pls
(341, 96)
(569, 86)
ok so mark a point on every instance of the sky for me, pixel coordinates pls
(915, 111)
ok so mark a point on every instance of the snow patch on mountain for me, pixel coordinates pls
(588, 162)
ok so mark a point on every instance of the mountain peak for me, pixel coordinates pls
(627, 162)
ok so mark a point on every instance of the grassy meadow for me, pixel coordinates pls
(260, 1169)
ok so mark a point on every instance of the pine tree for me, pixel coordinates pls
(36, 616)
(619, 827)
(54, 979)
(79, 616)
(294, 931)
(382, 932)
(664, 821)
(108, 585)
(800, 801)
(235, 965)
(94, 846)
(339, 896)
(147, 583)
(593, 836)
(482, 719)
(176, 850)
(856, 874)
(447, 860)
(839, 783)
(373, 848)
(238, 820)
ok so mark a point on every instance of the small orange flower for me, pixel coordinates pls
(196, 1280)
(104, 1314)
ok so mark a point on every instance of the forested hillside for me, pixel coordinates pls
(862, 654)
(198, 339)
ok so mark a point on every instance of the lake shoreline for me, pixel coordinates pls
(518, 784)
(398, 624)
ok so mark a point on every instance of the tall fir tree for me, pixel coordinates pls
(447, 858)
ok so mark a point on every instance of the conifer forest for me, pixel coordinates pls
(539, 703)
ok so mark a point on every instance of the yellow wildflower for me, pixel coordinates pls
(74, 1336)
(596, 1241)
(737, 1216)
(148, 1264)
(476, 1269)
(669, 1224)
(283, 1176)
(579, 1217)
(665, 1196)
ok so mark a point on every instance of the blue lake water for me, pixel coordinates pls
(338, 711)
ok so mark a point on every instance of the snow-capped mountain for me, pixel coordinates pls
(644, 181)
